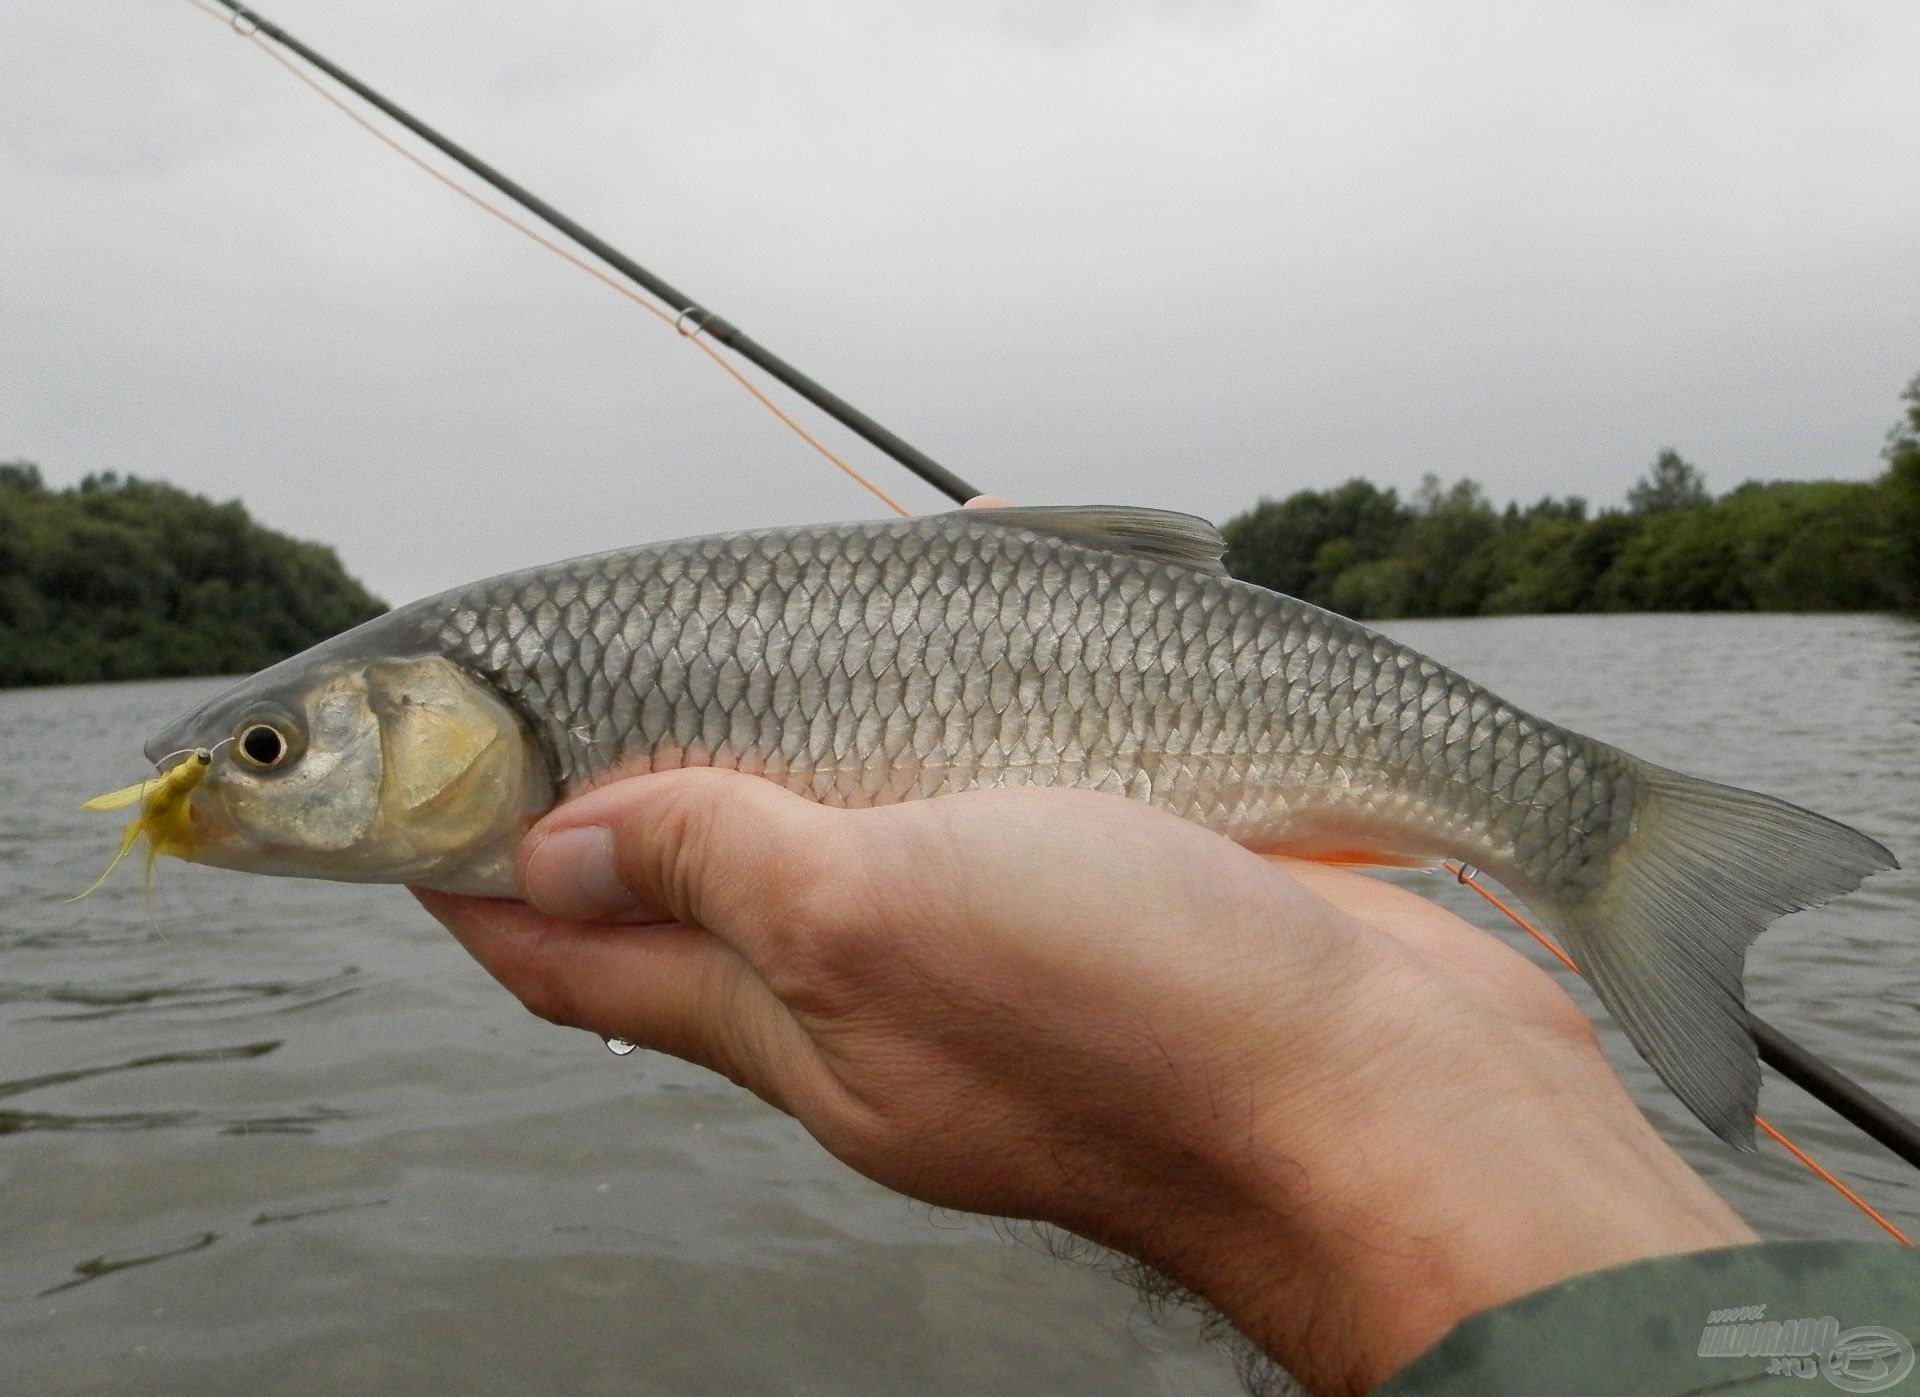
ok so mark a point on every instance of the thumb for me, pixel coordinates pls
(714, 849)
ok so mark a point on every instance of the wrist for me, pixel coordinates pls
(1439, 1176)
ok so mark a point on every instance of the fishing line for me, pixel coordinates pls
(689, 320)
(1466, 875)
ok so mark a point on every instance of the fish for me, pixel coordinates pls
(1103, 647)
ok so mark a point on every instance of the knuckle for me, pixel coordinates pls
(810, 910)
(781, 866)
(708, 840)
(683, 851)
(724, 850)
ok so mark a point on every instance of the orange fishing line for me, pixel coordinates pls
(1465, 875)
(572, 258)
(1840, 1187)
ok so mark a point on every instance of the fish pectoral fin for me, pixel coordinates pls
(1159, 534)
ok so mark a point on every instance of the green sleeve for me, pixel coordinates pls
(1740, 1319)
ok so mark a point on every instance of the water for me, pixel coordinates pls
(287, 1138)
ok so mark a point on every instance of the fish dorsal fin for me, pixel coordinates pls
(1184, 540)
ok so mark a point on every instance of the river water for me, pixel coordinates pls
(285, 1137)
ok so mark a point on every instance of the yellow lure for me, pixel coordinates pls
(164, 816)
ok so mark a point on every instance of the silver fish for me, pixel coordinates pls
(1105, 648)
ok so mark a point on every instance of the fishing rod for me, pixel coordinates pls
(691, 313)
(1792, 1060)
(1847, 1099)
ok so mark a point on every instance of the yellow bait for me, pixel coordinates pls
(164, 816)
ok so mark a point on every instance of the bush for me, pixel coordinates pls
(131, 579)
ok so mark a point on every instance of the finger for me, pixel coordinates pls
(989, 502)
(675, 989)
(714, 849)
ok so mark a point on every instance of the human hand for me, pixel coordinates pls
(1313, 1098)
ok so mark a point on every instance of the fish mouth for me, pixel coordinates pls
(208, 834)
(212, 827)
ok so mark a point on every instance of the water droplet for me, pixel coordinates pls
(619, 1047)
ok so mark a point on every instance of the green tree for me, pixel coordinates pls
(21, 478)
(1534, 570)
(1572, 509)
(1291, 545)
(127, 578)
(1779, 546)
(1670, 483)
(1902, 484)
(1447, 550)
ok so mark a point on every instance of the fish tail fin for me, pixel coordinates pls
(1663, 938)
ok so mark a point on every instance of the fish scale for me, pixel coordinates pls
(867, 663)
(1104, 648)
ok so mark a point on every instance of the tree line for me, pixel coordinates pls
(122, 578)
(131, 579)
(1821, 545)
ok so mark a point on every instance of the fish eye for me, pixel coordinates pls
(262, 745)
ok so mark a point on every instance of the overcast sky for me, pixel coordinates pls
(1175, 252)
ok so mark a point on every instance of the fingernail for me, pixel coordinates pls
(571, 874)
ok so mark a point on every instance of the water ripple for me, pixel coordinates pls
(241, 1052)
(307, 1122)
(96, 1002)
(96, 1268)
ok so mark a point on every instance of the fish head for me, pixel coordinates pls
(367, 769)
